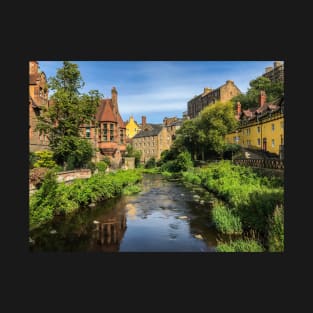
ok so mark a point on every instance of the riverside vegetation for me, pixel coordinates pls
(252, 205)
(53, 198)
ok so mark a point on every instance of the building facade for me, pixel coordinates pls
(132, 128)
(261, 128)
(38, 99)
(276, 73)
(210, 96)
(153, 139)
(108, 133)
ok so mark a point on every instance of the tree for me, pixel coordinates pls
(69, 111)
(215, 121)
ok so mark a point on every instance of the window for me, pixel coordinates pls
(121, 136)
(259, 129)
(111, 132)
(282, 125)
(87, 132)
(273, 143)
(273, 127)
(105, 132)
(259, 141)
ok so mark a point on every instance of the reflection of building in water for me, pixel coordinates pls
(108, 233)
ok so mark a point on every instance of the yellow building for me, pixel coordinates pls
(132, 128)
(261, 128)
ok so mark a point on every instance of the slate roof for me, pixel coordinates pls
(155, 130)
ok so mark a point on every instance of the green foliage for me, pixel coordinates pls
(204, 136)
(129, 190)
(226, 221)
(252, 198)
(182, 163)
(273, 91)
(231, 150)
(150, 163)
(91, 165)
(62, 120)
(241, 245)
(102, 166)
(54, 199)
(44, 158)
(131, 152)
(192, 178)
(77, 152)
(32, 159)
(276, 230)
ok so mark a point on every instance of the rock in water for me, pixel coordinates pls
(183, 217)
(96, 222)
(53, 231)
(198, 236)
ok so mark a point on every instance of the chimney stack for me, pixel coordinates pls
(238, 108)
(262, 98)
(114, 100)
(143, 122)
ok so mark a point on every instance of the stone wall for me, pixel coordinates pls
(66, 176)
(71, 175)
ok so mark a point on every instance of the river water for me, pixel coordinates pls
(166, 216)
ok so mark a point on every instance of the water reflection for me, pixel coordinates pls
(163, 217)
(108, 232)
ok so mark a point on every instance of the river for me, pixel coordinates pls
(166, 216)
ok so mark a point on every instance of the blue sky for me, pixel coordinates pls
(159, 89)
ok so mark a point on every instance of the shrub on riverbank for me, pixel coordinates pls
(54, 199)
(276, 230)
(241, 245)
(226, 221)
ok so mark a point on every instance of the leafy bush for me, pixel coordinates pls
(44, 158)
(102, 166)
(241, 245)
(32, 159)
(150, 163)
(226, 221)
(129, 190)
(276, 230)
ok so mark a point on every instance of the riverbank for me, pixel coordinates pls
(253, 205)
(54, 199)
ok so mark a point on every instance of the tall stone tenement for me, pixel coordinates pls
(155, 138)
(210, 96)
(276, 73)
(38, 99)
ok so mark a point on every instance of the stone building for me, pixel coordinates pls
(210, 96)
(276, 73)
(108, 133)
(38, 99)
(153, 139)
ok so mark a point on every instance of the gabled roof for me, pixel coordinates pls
(155, 130)
(266, 108)
(105, 112)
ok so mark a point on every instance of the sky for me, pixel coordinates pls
(159, 89)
